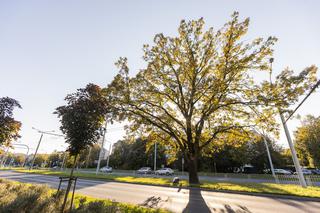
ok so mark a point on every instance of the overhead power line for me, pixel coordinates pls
(305, 98)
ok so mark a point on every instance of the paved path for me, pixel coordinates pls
(174, 199)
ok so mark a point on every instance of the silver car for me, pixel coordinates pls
(164, 171)
(106, 169)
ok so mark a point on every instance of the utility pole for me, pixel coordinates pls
(42, 133)
(34, 156)
(182, 162)
(270, 159)
(63, 161)
(293, 152)
(4, 157)
(155, 156)
(28, 149)
(109, 152)
(101, 150)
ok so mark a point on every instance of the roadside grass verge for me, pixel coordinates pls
(266, 188)
(23, 197)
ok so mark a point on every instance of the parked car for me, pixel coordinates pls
(106, 169)
(164, 171)
(305, 172)
(144, 170)
(315, 171)
(282, 172)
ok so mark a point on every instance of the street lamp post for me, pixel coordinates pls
(42, 133)
(155, 156)
(28, 149)
(270, 159)
(101, 150)
(4, 157)
(264, 137)
(109, 152)
(63, 161)
(34, 156)
(293, 151)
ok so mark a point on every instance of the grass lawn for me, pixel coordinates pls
(269, 188)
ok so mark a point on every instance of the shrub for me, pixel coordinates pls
(27, 198)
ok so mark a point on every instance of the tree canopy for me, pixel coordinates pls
(198, 86)
(9, 127)
(82, 117)
(307, 141)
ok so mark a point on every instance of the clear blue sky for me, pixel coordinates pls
(50, 48)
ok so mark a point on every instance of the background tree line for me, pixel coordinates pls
(226, 156)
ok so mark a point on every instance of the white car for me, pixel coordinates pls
(106, 169)
(282, 172)
(305, 172)
(164, 171)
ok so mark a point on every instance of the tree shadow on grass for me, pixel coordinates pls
(196, 202)
(154, 202)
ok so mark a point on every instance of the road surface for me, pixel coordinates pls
(284, 179)
(174, 199)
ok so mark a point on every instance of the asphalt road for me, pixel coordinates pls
(284, 179)
(174, 199)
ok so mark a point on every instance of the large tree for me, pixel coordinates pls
(199, 85)
(81, 121)
(307, 141)
(9, 127)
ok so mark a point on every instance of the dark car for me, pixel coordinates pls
(315, 171)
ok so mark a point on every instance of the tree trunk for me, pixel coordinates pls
(193, 169)
(69, 184)
(74, 165)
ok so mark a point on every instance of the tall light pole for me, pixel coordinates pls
(268, 153)
(28, 149)
(155, 157)
(4, 157)
(293, 151)
(34, 156)
(109, 152)
(64, 160)
(42, 133)
(102, 144)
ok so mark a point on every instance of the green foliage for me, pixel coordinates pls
(82, 117)
(88, 156)
(257, 154)
(41, 159)
(239, 148)
(135, 154)
(198, 86)
(55, 158)
(9, 127)
(307, 141)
